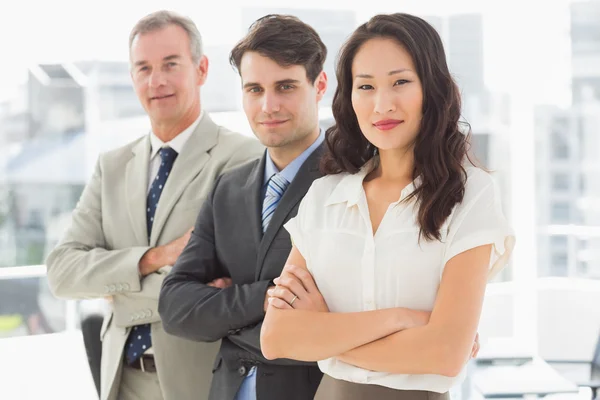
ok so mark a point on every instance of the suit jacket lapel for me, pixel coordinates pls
(253, 195)
(136, 178)
(188, 165)
(292, 196)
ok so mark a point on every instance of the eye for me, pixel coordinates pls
(400, 82)
(286, 87)
(171, 64)
(365, 87)
(254, 89)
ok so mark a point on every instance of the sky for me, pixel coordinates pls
(523, 50)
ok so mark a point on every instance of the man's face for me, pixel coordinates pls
(165, 78)
(280, 102)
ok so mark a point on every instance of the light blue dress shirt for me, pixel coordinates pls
(248, 388)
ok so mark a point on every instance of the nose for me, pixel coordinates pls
(157, 78)
(270, 103)
(384, 101)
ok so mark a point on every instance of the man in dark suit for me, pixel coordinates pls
(217, 289)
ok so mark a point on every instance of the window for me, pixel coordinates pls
(560, 213)
(561, 181)
(560, 145)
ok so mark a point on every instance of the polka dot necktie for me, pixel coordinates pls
(140, 338)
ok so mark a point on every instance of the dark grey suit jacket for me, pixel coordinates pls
(228, 241)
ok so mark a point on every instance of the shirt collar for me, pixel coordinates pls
(289, 172)
(350, 187)
(178, 142)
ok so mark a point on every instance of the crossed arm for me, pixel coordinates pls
(82, 265)
(441, 344)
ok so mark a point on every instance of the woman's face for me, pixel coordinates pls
(387, 95)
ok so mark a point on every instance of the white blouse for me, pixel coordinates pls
(356, 271)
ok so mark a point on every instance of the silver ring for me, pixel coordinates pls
(293, 300)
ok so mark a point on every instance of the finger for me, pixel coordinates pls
(221, 282)
(305, 277)
(278, 303)
(286, 267)
(475, 350)
(282, 293)
(227, 282)
(217, 283)
(294, 285)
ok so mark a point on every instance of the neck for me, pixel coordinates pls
(284, 155)
(168, 130)
(396, 165)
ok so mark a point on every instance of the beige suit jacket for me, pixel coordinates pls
(100, 251)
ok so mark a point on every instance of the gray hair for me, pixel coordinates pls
(161, 19)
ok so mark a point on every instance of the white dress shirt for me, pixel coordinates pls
(356, 271)
(177, 144)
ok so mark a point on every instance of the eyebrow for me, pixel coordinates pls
(277, 83)
(394, 72)
(167, 58)
(287, 81)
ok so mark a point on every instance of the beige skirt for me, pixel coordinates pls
(335, 389)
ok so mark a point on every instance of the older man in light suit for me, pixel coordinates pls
(135, 216)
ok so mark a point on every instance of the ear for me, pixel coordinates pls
(202, 71)
(321, 85)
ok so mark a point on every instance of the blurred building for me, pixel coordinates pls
(585, 48)
(108, 90)
(14, 118)
(567, 145)
(462, 35)
(45, 168)
(222, 90)
(568, 189)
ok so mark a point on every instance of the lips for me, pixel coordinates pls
(387, 124)
(274, 123)
(161, 97)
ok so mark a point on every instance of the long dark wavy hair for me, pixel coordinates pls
(440, 148)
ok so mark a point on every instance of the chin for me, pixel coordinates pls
(273, 142)
(385, 141)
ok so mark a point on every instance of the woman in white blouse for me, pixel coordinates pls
(394, 246)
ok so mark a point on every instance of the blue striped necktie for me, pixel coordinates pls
(275, 189)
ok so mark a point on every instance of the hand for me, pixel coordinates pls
(476, 346)
(158, 257)
(296, 289)
(174, 249)
(220, 283)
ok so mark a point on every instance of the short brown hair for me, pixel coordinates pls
(286, 40)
